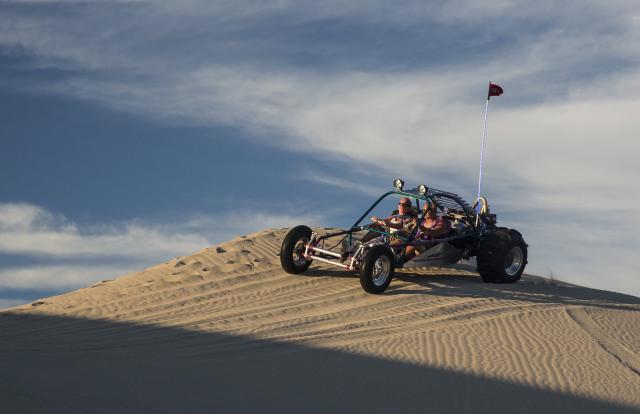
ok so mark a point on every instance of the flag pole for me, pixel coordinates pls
(484, 135)
(494, 90)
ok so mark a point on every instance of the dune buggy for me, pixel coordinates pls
(375, 252)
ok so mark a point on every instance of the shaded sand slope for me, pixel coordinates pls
(226, 330)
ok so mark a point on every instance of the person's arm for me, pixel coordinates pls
(381, 222)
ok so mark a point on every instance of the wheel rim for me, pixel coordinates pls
(513, 261)
(298, 252)
(381, 269)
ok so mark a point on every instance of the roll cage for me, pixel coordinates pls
(450, 205)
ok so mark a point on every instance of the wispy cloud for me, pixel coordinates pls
(47, 277)
(342, 183)
(71, 255)
(32, 230)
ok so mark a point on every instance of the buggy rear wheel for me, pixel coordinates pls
(378, 268)
(292, 250)
(502, 257)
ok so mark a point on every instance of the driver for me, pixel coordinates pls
(402, 223)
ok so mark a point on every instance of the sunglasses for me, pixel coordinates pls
(404, 204)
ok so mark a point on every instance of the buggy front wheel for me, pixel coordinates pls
(292, 250)
(378, 268)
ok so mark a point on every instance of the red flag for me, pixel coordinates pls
(494, 90)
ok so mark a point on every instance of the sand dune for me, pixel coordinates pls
(227, 330)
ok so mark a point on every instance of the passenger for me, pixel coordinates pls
(431, 227)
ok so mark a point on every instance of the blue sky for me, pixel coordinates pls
(137, 131)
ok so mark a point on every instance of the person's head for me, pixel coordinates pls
(404, 205)
(429, 208)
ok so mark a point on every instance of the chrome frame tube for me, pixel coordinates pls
(329, 261)
(357, 253)
(306, 247)
(323, 251)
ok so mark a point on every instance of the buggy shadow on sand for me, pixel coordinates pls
(375, 252)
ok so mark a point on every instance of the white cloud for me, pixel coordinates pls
(48, 277)
(224, 227)
(100, 251)
(342, 182)
(31, 230)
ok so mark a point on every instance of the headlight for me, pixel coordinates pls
(398, 184)
(422, 189)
